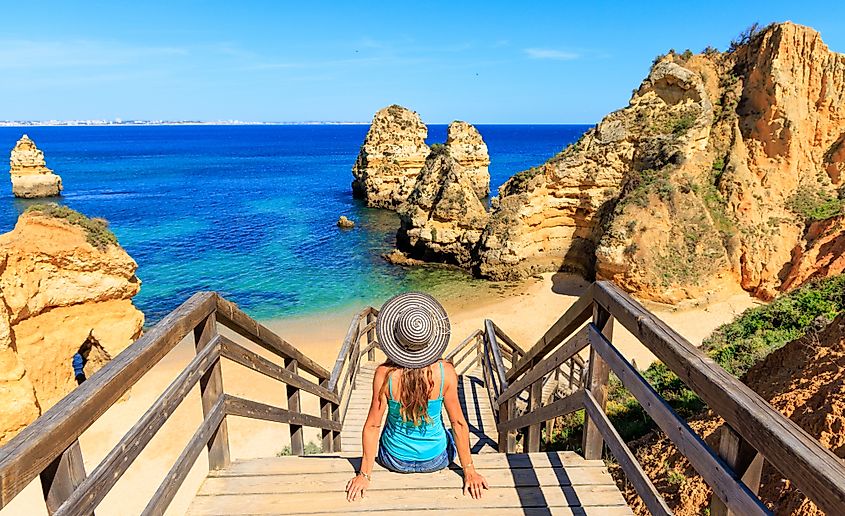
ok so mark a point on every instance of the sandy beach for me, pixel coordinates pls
(523, 310)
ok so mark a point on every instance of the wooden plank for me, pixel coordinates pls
(444, 479)
(371, 335)
(236, 406)
(487, 511)
(561, 407)
(343, 354)
(297, 444)
(97, 485)
(229, 315)
(712, 469)
(398, 500)
(623, 455)
(61, 479)
(499, 367)
(598, 375)
(464, 343)
(816, 471)
(170, 485)
(346, 463)
(37, 445)
(326, 437)
(743, 460)
(572, 346)
(571, 320)
(211, 389)
(256, 362)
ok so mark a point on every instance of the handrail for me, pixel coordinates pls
(49, 447)
(750, 420)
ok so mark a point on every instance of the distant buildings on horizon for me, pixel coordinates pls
(120, 122)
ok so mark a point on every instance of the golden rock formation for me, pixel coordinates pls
(66, 287)
(30, 175)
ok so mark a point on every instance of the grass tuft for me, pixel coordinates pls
(97, 231)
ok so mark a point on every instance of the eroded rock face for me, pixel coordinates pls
(443, 218)
(820, 254)
(468, 148)
(60, 296)
(30, 175)
(391, 157)
(701, 183)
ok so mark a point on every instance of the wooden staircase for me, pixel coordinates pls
(535, 483)
(510, 396)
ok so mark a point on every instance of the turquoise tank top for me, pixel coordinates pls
(403, 440)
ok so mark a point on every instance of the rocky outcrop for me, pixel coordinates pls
(30, 175)
(821, 254)
(443, 218)
(67, 288)
(391, 157)
(468, 148)
(345, 223)
(708, 179)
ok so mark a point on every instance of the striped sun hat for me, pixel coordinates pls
(413, 330)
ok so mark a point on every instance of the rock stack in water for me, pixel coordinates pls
(716, 175)
(394, 152)
(468, 148)
(66, 288)
(391, 157)
(442, 218)
(30, 175)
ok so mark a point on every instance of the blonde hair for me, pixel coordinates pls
(413, 396)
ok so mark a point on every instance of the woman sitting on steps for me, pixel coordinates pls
(414, 385)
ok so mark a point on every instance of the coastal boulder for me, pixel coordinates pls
(468, 148)
(30, 175)
(391, 157)
(67, 288)
(706, 182)
(443, 218)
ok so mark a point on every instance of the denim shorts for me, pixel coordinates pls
(397, 465)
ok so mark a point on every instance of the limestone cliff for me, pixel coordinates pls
(30, 175)
(391, 157)
(443, 218)
(468, 148)
(394, 152)
(66, 287)
(710, 177)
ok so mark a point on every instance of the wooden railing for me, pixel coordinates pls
(49, 447)
(754, 431)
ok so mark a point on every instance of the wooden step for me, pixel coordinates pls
(564, 482)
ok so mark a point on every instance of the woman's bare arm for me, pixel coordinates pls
(473, 481)
(370, 436)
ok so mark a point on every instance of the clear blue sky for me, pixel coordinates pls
(484, 62)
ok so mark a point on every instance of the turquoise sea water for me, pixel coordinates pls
(250, 211)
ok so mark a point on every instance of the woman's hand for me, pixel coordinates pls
(474, 483)
(356, 487)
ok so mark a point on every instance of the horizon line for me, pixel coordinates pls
(146, 123)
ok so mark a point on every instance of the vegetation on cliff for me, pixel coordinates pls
(97, 230)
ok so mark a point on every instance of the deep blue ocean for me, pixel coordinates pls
(250, 211)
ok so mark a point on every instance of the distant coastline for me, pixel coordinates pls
(136, 123)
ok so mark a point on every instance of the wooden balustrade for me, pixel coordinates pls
(49, 447)
(754, 431)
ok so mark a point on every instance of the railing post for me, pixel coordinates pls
(297, 446)
(743, 459)
(371, 337)
(326, 413)
(61, 478)
(211, 387)
(507, 440)
(598, 374)
(335, 412)
(535, 400)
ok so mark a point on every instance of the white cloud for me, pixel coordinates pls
(549, 53)
(29, 54)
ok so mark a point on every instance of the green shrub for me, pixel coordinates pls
(97, 231)
(682, 124)
(686, 55)
(814, 204)
(311, 448)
